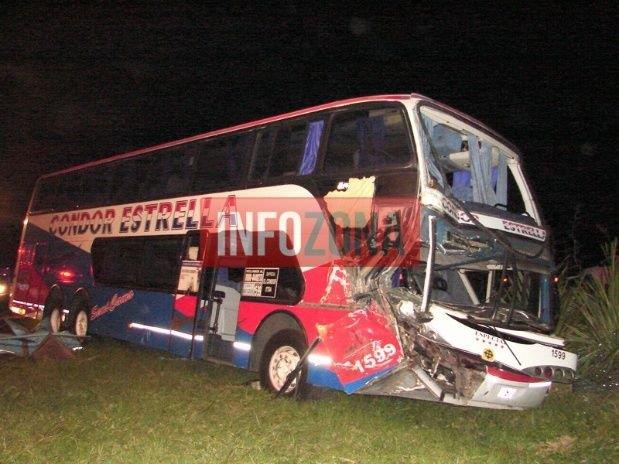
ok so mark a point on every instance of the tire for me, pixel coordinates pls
(55, 319)
(79, 320)
(52, 313)
(280, 357)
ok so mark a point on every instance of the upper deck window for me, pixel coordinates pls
(45, 196)
(260, 164)
(368, 138)
(287, 150)
(221, 162)
(193, 168)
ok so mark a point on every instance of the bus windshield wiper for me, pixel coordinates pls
(467, 262)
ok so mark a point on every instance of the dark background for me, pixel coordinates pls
(83, 82)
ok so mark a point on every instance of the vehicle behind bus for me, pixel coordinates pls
(394, 236)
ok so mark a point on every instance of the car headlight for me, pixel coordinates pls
(4, 288)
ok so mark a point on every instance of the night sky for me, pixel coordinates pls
(81, 83)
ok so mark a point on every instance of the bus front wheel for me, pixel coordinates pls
(281, 355)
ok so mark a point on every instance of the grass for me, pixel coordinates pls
(119, 403)
(589, 322)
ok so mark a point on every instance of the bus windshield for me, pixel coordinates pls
(515, 298)
(470, 165)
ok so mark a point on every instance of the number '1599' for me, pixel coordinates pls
(558, 354)
(379, 356)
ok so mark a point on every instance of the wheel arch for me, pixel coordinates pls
(81, 295)
(271, 325)
(55, 295)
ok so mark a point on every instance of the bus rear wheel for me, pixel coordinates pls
(281, 355)
(78, 322)
(55, 319)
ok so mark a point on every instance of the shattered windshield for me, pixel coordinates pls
(514, 298)
(468, 164)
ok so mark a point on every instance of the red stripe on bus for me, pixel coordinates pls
(513, 376)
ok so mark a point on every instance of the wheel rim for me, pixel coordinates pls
(54, 320)
(283, 361)
(81, 324)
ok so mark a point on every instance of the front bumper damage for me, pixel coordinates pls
(450, 359)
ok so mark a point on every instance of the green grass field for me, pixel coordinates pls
(118, 403)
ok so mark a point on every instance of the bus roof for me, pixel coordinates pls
(279, 117)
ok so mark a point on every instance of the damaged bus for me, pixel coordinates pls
(385, 245)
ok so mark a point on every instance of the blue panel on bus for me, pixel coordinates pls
(242, 349)
(137, 316)
(352, 387)
(323, 377)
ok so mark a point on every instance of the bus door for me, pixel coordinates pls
(223, 296)
(206, 303)
(185, 336)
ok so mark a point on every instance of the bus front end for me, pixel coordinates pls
(475, 310)
(476, 325)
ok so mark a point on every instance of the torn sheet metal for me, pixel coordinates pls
(352, 198)
(363, 347)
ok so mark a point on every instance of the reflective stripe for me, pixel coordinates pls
(320, 359)
(242, 346)
(163, 331)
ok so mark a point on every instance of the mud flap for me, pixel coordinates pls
(363, 347)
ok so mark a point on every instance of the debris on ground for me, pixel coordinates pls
(39, 342)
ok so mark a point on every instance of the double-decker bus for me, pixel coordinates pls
(395, 236)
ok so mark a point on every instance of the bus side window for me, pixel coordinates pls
(221, 162)
(68, 192)
(366, 139)
(177, 171)
(151, 185)
(288, 288)
(122, 178)
(238, 149)
(95, 183)
(287, 151)
(311, 148)
(161, 266)
(260, 162)
(192, 247)
(342, 146)
(46, 195)
(141, 262)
